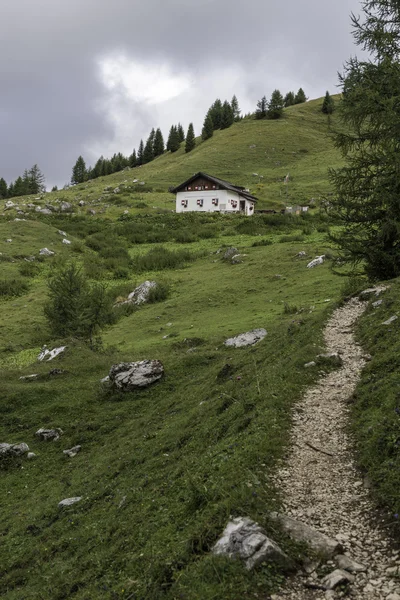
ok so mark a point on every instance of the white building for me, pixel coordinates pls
(205, 193)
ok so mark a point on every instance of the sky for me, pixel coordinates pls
(92, 77)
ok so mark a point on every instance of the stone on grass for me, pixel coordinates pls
(130, 376)
(141, 293)
(246, 339)
(32, 377)
(65, 241)
(348, 564)
(310, 364)
(31, 455)
(46, 354)
(230, 252)
(391, 320)
(375, 291)
(333, 358)
(11, 450)
(301, 254)
(63, 233)
(65, 206)
(69, 501)
(72, 451)
(246, 540)
(336, 578)
(300, 532)
(105, 379)
(49, 434)
(317, 261)
(9, 204)
(46, 252)
(377, 303)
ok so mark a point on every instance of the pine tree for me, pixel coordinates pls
(98, 168)
(148, 153)
(235, 109)
(54, 188)
(208, 130)
(140, 153)
(275, 105)
(79, 171)
(3, 188)
(133, 159)
(173, 143)
(328, 104)
(366, 203)
(36, 180)
(289, 99)
(11, 190)
(216, 114)
(300, 97)
(190, 139)
(158, 146)
(181, 133)
(19, 187)
(227, 115)
(261, 111)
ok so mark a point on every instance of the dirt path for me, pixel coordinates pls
(325, 490)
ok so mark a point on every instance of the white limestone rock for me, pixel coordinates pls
(12, 450)
(246, 339)
(67, 242)
(65, 206)
(47, 355)
(301, 532)
(336, 578)
(141, 293)
(317, 261)
(391, 320)
(375, 291)
(46, 252)
(130, 376)
(246, 540)
(348, 564)
(32, 377)
(72, 451)
(61, 232)
(69, 501)
(48, 435)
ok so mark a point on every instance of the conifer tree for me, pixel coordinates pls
(140, 153)
(158, 146)
(190, 139)
(148, 153)
(97, 169)
(11, 190)
(235, 109)
(36, 180)
(79, 171)
(208, 130)
(261, 111)
(133, 159)
(328, 104)
(173, 143)
(19, 187)
(300, 97)
(275, 105)
(216, 114)
(3, 188)
(181, 133)
(227, 115)
(54, 188)
(289, 99)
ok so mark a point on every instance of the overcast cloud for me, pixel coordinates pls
(92, 77)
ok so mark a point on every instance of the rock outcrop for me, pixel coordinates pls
(246, 339)
(133, 375)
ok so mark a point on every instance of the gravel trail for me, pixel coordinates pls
(320, 484)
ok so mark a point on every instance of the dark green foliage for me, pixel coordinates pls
(368, 187)
(158, 147)
(29, 269)
(79, 173)
(12, 287)
(140, 153)
(32, 182)
(262, 242)
(208, 128)
(227, 115)
(54, 188)
(19, 187)
(235, 109)
(158, 293)
(160, 258)
(275, 105)
(262, 107)
(3, 188)
(148, 153)
(328, 104)
(181, 133)
(133, 159)
(173, 142)
(300, 97)
(216, 114)
(74, 307)
(190, 139)
(289, 99)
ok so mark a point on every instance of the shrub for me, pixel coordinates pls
(291, 238)
(160, 258)
(28, 269)
(185, 236)
(12, 287)
(158, 293)
(262, 242)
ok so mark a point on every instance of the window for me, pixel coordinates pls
(200, 202)
(215, 201)
(184, 203)
(234, 203)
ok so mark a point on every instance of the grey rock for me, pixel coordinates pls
(301, 532)
(377, 303)
(375, 291)
(348, 564)
(391, 320)
(230, 252)
(44, 211)
(47, 355)
(81, 203)
(246, 339)
(72, 451)
(46, 252)
(105, 379)
(65, 241)
(141, 293)
(301, 254)
(62, 233)
(393, 596)
(310, 364)
(246, 540)
(9, 204)
(130, 376)
(9, 240)
(65, 206)
(31, 455)
(117, 190)
(336, 578)
(49, 434)
(333, 358)
(32, 377)
(11, 450)
(91, 211)
(317, 261)
(69, 501)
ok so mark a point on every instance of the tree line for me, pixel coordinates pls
(31, 182)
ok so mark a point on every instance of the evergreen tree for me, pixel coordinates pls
(79, 171)
(235, 109)
(54, 188)
(140, 153)
(190, 139)
(148, 153)
(133, 159)
(261, 111)
(36, 180)
(158, 146)
(276, 105)
(227, 115)
(181, 133)
(173, 143)
(328, 104)
(19, 187)
(289, 99)
(216, 114)
(366, 202)
(300, 97)
(208, 130)
(3, 188)
(11, 190)
(98, 168)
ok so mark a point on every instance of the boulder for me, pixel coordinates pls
(44, 211)
(31, 455)
(32, 377)
(46, 252)
(375, 291)
(317, 261)
(62, 233)
(141, 293)
(65, 241)
(246, 339)
(65, 206)
(300, 532)
(69, 501)
(49, 434)
(246, 540)
(9, 204)
(301, 254)
(230, 253)
(390, 320)
(47, 355)
(72, 451)
(377, 303)
(130, 376)
(81, 203)
(310, 364)
(348, 564)
(336, 578)
(117, 190)
(11, 450)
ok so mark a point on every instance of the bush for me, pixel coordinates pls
(291, 238)
(160, 258)
(185, 236)
(29, 269)
(12, 287)
(158, 293)
(263, 242)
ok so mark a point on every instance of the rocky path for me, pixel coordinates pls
(321, 486)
